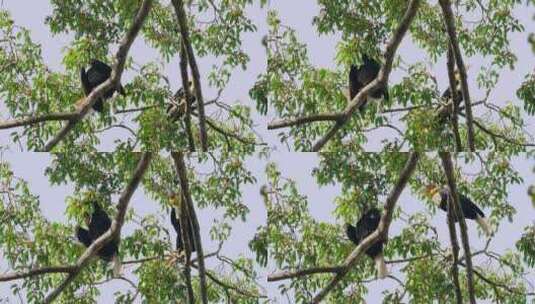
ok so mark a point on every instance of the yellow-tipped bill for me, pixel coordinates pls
(433, 192)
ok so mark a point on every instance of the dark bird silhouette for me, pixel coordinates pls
(175, 221)
(364, 227)
(470, 210)
(362, 75)
(447, 93)
(98, 73)
(177, 106)
(98, 223)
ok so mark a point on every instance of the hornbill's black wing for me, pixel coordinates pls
(176, 224)
(83, 236)
(100, 221)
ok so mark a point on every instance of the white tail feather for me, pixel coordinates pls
(484, 225)
(117, 266)
(380, 265)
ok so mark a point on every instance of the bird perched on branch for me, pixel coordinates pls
(364, 227)
(447, 93)
(176, 222)
(178, 106)
(360, 76)
(469, 209)
(97, 74)
(98, 223)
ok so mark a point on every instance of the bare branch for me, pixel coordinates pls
(225, 285)
(497, 284)
(448, 170)
(113, 81)
(24, 121)
(34, 272)
(181, 170)
(494, 135)
(187, 93)
(113, 233)
(450, 26)
(380, 80)
(381, 233)
(284, 275)
(455, 250)
(140, 109)
(185, 226)
(454, 98)
(182, 21)
(284, 123)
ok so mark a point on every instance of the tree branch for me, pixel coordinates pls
(284, 275)
(227, 286)
(454, 98)
(284, 123)
(187, 93)
(113, 233)
(181, 170)
(185, 226)
(24, 121)
(452, 193)
(455, 250)
(113, 81)
(183, 23)
(497, 284)
(37, 271)
(494, 135)
(450, 26)
(381, 233)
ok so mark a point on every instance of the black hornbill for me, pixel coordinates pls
(447, 93)
(470, 210)
(98, 73)
(177, 106)
(360, 76)
(175, 199)
(364, 227)
(98, 223)
(175, 221)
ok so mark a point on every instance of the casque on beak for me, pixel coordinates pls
(433, 192)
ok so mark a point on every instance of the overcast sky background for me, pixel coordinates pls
(297, 14)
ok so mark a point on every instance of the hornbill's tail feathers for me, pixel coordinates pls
(380, 265)
(484, 225)
(117, 265)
